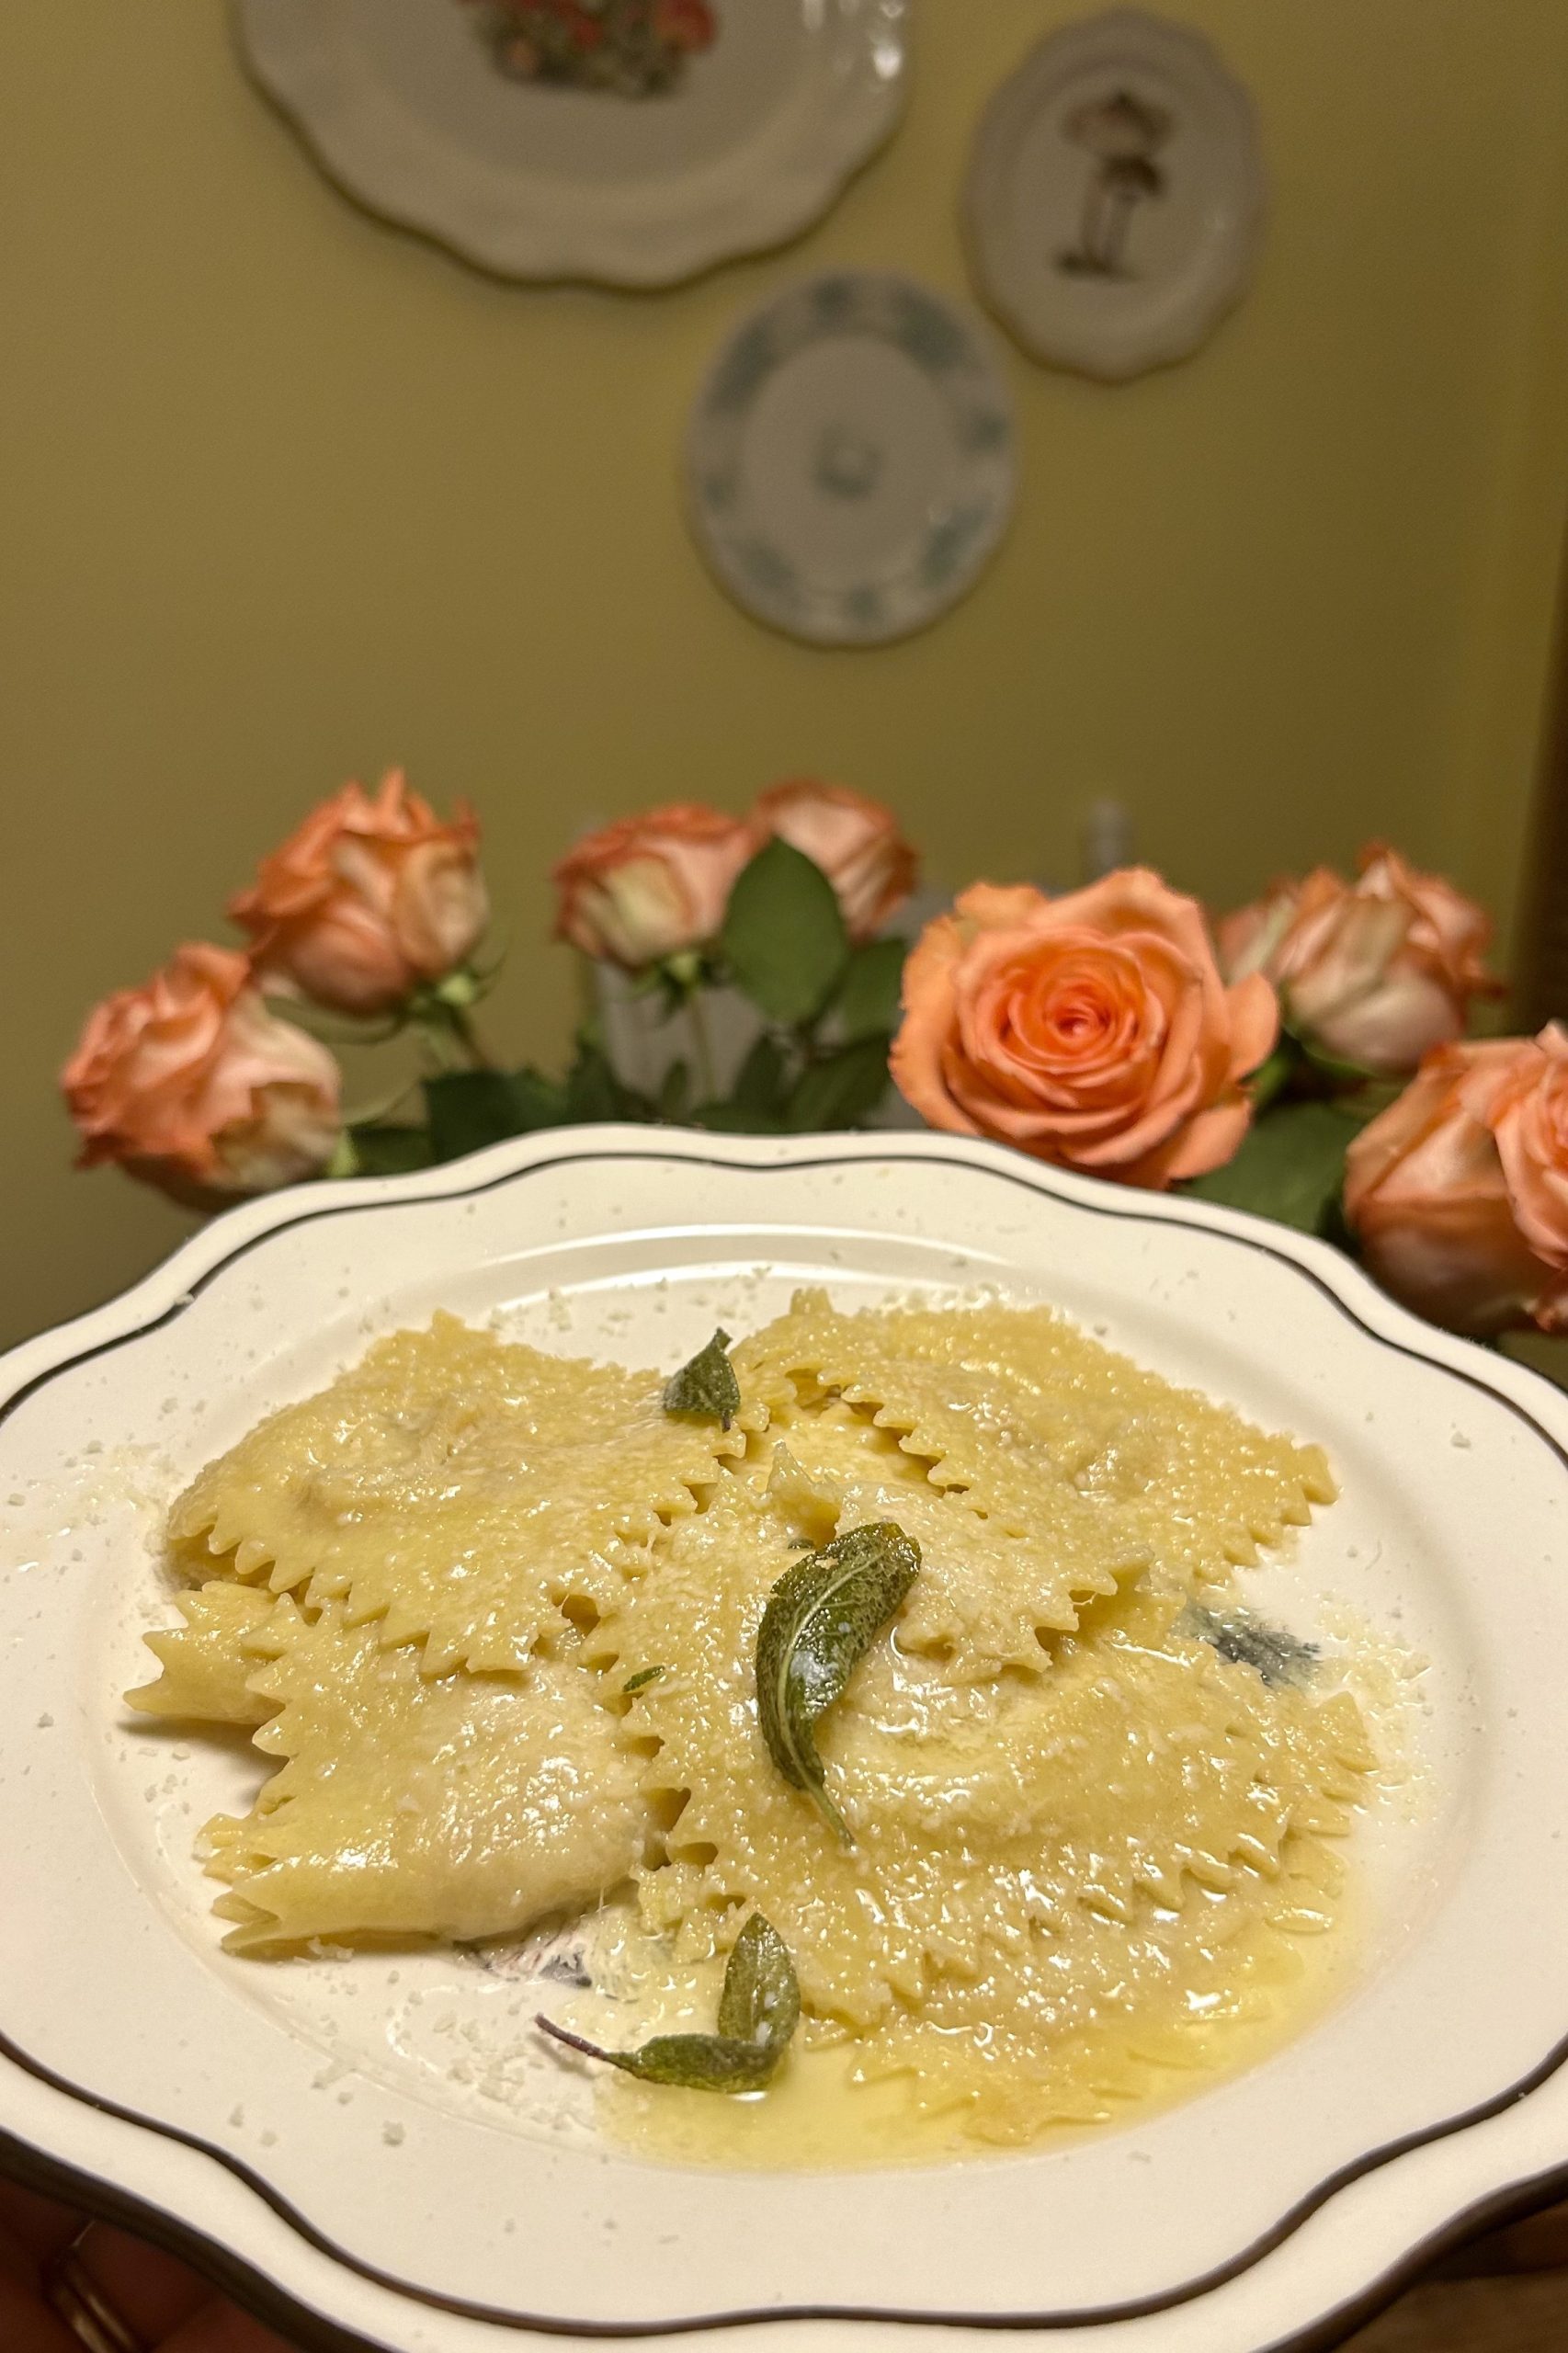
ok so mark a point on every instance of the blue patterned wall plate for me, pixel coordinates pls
(851, 460)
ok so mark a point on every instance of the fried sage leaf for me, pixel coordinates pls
(758, 2011)
(706, 1389)
(1246, 1640)
(821, 1618)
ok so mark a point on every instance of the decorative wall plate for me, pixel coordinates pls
(850, 461)
(1114, 204)
(635, 142)
(371, 2148)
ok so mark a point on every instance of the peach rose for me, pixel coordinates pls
(855, 841)
(1375, 971)
(190, 1083)
(1092, 1030)
(685, 24)
(651, 887)
(1459, 1192)
(369, 900)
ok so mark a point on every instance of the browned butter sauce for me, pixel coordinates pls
(829, 2108)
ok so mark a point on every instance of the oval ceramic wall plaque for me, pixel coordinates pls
(1115, 197)
(633, 142)
(850, 461)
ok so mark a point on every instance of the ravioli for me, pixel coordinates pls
(468, 1494)
(1142, 1766)
(457, 1806)
(1023, 1413)
(208, 1661)
(1087, 1846)
(1083, 2018)
(986, 1598)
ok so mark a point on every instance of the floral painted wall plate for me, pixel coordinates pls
(1114, 204)
(634, 141)
(850, 461)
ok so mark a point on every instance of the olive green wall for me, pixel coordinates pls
(287, 495)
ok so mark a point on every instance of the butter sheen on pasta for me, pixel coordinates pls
(1085, 1843)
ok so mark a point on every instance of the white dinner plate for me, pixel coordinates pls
(375, 2148)
(402, 102)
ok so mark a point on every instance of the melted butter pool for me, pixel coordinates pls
(829, 2108)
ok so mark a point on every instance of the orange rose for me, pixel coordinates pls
(685, 24)
(855, 841)
(651, 887)
(369, 900)
(1375, 971)
(1093, 1030)
(1459, 1192)
(190, 1083)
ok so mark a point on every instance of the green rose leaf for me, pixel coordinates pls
(381, 1148)
(595, 1092)
(821, 1618)
(760, 1082)
(706, 1389)
(783, 937)
(868, 1004)
(539, 1102)
(843, 1089)
(758, 2012)
(470, 1109)
(1290, 1166)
